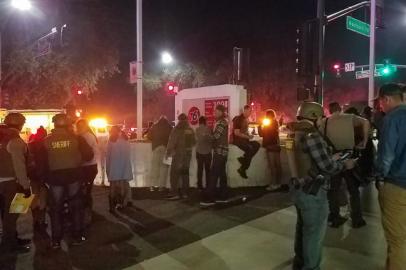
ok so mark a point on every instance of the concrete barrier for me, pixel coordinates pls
(259, 173)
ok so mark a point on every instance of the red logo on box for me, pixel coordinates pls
(194, 115)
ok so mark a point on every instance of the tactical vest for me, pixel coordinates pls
(63, 150)
(6, 162)
(340, 131)
(299, 162)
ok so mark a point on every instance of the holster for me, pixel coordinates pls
(309, 185)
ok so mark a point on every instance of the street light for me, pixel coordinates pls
(166, 58)
(21, 4)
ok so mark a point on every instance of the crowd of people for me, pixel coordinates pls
(212, 147)
(59, 169)
(330, 150)
(329, 157)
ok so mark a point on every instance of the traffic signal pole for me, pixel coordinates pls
(318, 80)
(323, 21)
(139, 69)
(371, 81)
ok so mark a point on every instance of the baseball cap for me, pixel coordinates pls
(390, 89)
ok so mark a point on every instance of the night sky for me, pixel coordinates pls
(205, 31)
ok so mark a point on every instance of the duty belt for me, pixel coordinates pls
(309, 185)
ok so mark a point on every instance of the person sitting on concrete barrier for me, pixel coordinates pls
(203, 152)
(241, 138)
(180, 146)
(269, 131)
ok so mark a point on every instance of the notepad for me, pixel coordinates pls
(20, 205)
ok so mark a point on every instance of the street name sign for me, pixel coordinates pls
(362, 74)
(348, 67)
(358, 26)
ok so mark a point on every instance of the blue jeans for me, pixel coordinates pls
(311, 227)
(59, 194)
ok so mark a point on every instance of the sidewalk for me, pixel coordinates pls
(267, 243)
(157, 234)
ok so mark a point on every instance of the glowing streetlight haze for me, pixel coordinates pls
(22, 5)
(166, 58)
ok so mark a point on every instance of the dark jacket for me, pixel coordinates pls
(270, 136)
(159, 133)
(38, 167)
(181, 140)
(392, 147)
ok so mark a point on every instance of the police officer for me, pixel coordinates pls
(13, 179)
(65, 152)
(311, 164)
(340, 128)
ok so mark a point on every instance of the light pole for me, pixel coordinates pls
(139, 69)
(371, 82)
(22, 5)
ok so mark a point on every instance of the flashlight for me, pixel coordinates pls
(266, 122)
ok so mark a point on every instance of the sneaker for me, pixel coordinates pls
(242, 173)
(222, 201)
(56, 245)
(359, 223)
(337, 222)
(78, 241)
(273, 188)
(207, 204)
(174, 198)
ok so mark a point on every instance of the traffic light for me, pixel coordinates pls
(388, 68)
(337, 68)
(171, 88)
(79, 92)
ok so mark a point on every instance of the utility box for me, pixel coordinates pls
(195, 102)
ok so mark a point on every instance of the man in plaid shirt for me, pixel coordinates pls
(312, 207)
(315, 145)
(218, 167)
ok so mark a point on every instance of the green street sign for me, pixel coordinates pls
(358, 26)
